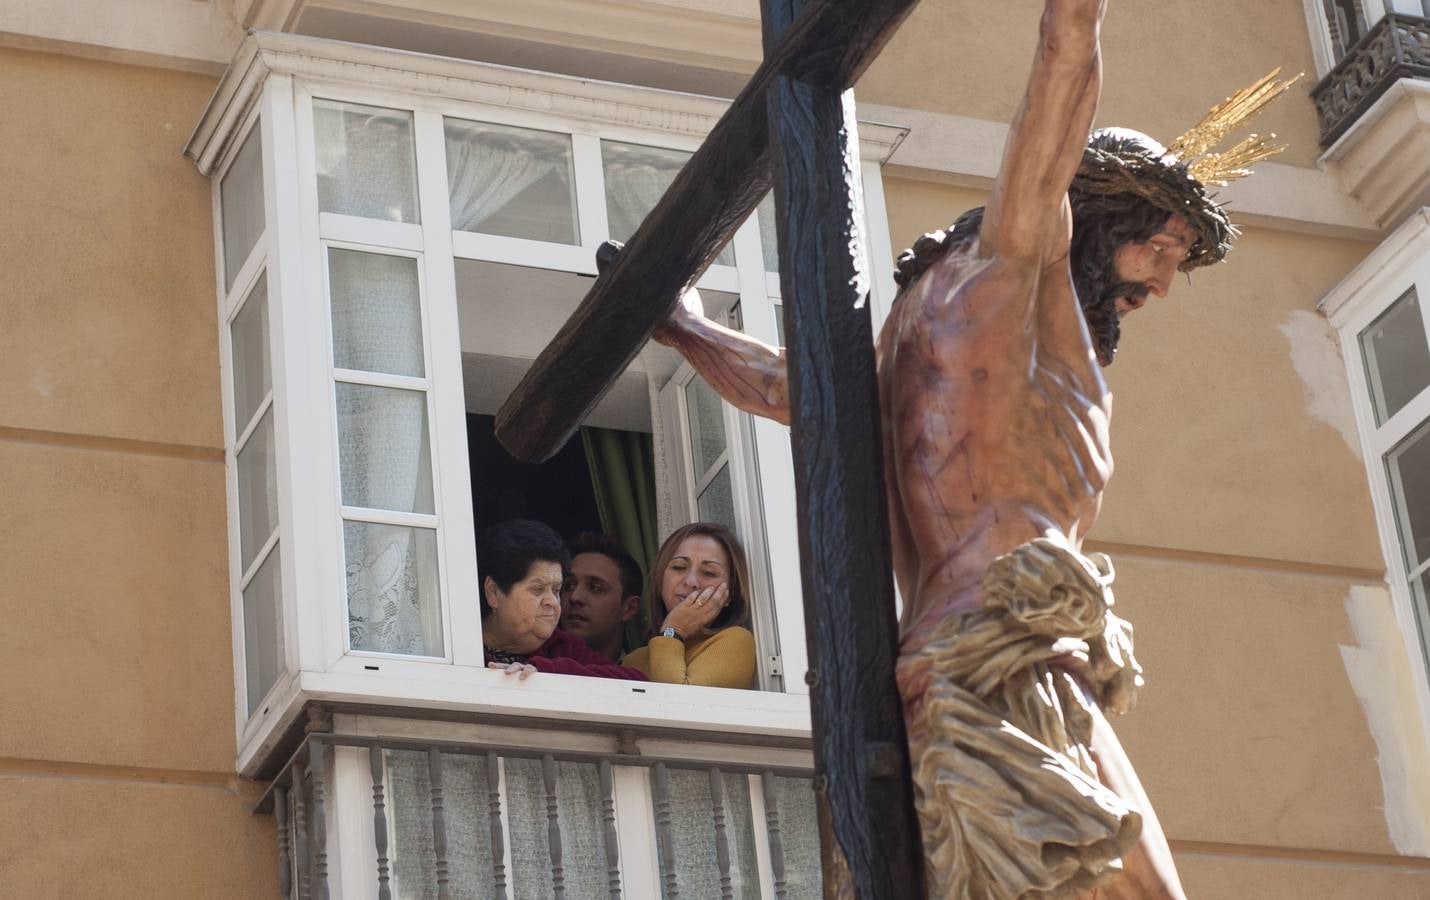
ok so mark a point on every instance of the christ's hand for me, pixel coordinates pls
(689, 310)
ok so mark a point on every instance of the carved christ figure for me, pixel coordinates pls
(997, 451)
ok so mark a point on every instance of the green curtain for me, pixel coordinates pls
(622, 467)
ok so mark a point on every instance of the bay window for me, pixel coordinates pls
(398, 236)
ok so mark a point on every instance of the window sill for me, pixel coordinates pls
(568, 699)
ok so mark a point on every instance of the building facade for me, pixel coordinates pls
(247, 421)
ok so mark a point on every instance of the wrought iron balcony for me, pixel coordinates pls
(1397, 47)
(375, 818)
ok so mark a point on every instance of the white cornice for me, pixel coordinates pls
(1404, 247)
(264, 53)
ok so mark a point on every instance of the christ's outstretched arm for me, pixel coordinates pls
(1028, 219)
(749, 374)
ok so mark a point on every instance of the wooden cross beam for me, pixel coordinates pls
(792, 126)
(833, 40)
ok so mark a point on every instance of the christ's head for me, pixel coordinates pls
(1138, 219)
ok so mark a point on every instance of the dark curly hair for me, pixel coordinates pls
(1102, 222)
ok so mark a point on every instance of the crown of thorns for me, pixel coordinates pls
(1176, 178)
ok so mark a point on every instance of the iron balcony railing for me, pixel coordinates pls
(450, 820)
(1398, 46)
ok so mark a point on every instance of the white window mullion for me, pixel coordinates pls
(259, 558)
(518, 252)
(323, 628)
(447, 409)
(878, 245)
(242, 440)
(590, 190)
(364, 233)
(389, 517)
(772, 482)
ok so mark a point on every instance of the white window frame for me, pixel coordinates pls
(278, 77)
(1402, 261)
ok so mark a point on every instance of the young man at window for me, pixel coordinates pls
(602, 593)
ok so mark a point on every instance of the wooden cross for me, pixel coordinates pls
(793, 128)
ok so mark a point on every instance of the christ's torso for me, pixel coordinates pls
(995, 426)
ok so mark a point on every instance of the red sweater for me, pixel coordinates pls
(566, 654)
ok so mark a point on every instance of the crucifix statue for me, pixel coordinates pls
(988, 417)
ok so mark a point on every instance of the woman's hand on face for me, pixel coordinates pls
(522, 671)
(698, 610)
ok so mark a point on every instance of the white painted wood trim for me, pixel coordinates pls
(635, 831)
(555, 739)
(645, 109)
(423, 684)
(352, 853)
(358, 233)
(447, 400)
(1319, 36)
(324, 584)
(761, 835)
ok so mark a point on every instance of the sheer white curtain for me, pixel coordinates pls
(636, 178)
(486, 171)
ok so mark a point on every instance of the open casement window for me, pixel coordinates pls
(716, 477)
(389, 262)
(1379, 310)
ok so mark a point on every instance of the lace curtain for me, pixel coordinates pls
(384, 455)
(636, 178)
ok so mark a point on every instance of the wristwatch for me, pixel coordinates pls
(669, 631)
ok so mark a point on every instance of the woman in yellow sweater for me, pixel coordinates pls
(700, 583)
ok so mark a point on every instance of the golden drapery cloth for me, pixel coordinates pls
(1007, 792)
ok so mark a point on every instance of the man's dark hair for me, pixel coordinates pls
(506, 551)
(609, 547)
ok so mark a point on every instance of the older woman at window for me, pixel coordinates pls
(523, 564)
(700, 584)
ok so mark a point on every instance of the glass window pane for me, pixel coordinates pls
(366, 161)
(393, 600)
(257, 490)
(717, 502)
(579, 818)
(241, 199)
(511, 181)
(251, 366)
(799, 832)
(779, 323)
(1408, 467)
(1420, 599)
(1397, 362)
(377, 312)
(467, 816)
(263, 629)
(636, 179)
(383, 453)
(707, 424)
(692, 827)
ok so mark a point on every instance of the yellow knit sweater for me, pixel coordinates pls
(723, 659)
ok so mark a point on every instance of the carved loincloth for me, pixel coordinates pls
(1008, 796)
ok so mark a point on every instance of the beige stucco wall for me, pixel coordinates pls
(1240, 524)
(1239, 513)
(116, 762)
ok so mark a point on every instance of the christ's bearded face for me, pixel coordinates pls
(1121, 285)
